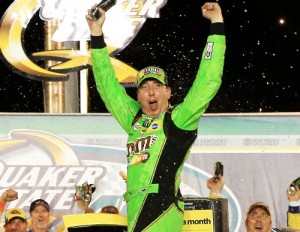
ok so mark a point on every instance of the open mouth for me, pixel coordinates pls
(153, 104)
(258, 228)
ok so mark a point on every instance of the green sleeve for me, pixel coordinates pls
(118, 103)
(206, 85)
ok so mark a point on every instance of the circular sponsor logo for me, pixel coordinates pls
(154, 126)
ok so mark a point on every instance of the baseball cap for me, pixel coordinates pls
(261, 205)
(110, 209)
(152, 72)
(39, 202)
(15, 213)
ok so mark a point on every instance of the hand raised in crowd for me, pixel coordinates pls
(9, 195)
(295, 196)
(212, 11)
(83, 205)
(216, 184)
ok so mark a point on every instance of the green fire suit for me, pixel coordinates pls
(157, 150)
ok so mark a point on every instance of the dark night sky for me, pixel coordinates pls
(262, 65)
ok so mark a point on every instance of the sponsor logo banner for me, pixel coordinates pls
(46, 156)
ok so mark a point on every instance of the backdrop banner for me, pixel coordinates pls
(46, 156)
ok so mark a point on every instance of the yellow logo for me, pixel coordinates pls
(198, 220)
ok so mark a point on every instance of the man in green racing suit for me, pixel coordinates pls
(159, 136)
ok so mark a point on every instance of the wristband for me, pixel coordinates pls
(215, 195)
(294, 203)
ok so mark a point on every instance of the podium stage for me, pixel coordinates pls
(201, 214)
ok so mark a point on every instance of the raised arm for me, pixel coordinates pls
(294, 209)
(118, 103)
(209, 76)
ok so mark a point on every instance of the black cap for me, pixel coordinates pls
(39, 202)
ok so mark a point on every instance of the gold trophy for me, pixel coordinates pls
(84, 192)
(292, 188)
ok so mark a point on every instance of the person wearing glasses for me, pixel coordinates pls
(159, 135)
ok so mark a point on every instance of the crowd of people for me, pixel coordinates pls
(41, 219)
(258, 216)
(16, 220)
